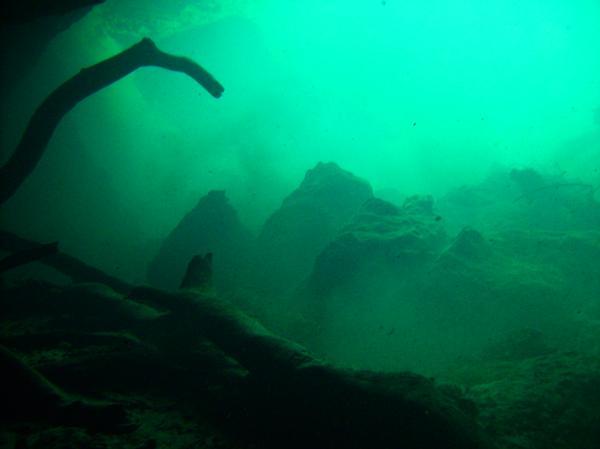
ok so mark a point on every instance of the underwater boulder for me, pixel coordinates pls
(212, 226)
(468, 247)
(382, 238)
(527, 179)
(308, 219)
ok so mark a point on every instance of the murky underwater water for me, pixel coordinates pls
(396, 187)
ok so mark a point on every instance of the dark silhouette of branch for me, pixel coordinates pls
(88, 81)
(68, 265)
(28, 255)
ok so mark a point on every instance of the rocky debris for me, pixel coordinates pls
(522, 199)
(487, 282)
(308, 219)
(469, 244)
(213, 227)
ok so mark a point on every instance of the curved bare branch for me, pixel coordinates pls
(85, 83)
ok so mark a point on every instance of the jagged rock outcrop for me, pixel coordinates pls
(308, 219)
(212, 226)
(469, 248)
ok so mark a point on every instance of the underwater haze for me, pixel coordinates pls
(417, 97)
(406, 188)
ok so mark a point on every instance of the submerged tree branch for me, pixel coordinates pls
(28, 255)
(88, 81)
(68, 265)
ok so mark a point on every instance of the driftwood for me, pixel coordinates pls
(47, 116)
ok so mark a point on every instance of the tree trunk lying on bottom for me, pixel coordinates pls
(287, 397)
(315, 404)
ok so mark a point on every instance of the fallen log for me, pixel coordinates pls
(49, 113)
(295, 400)
(70, 266)
(289, 398)
(26, 256)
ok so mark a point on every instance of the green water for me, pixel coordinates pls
(418, 97)
(488, 111)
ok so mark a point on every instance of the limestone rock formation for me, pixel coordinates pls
(308, 219)
(522, 199)
(211, 227)
(382, 238)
